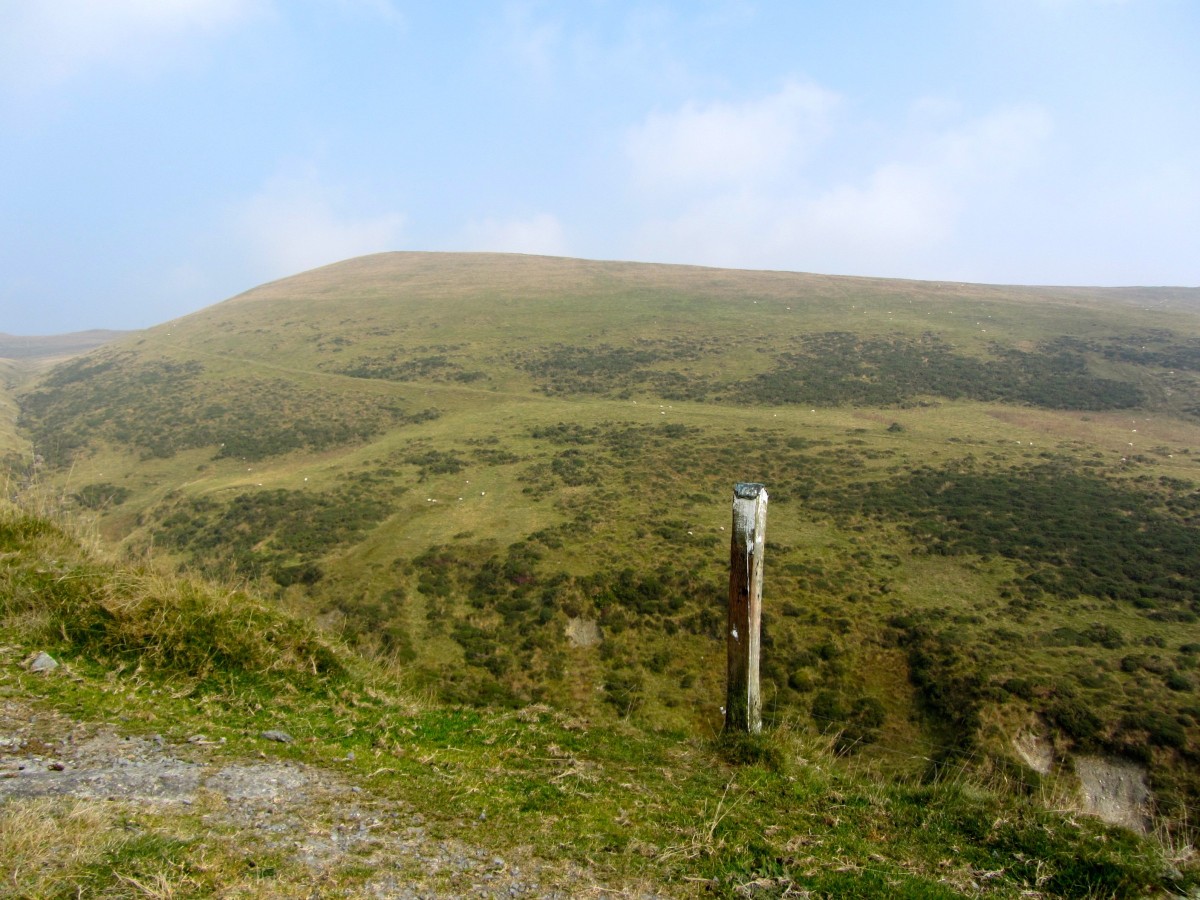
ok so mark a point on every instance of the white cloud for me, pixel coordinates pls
(47, 42)
(874, 226)
(993, 145)
(898, 208)
(897, 216)
(541, 234)
(295, 222)
(730, 143)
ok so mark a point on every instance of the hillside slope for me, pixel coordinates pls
(511, 475)
(192, 741)
(20, 359)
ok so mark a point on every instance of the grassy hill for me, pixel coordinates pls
(982, 532)
(20, 359)
(201, 673)
(52, 347)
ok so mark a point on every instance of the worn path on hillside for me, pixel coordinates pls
(351, 842)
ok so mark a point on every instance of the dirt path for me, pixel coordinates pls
(317, 817)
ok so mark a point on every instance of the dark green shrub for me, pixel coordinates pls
(98, 496)
(1104, 635)
(741, 749)
(801, 681)
(829, 709)
(1161, 730)
(624, 689)
(1177, 681)
(1075, 718)
(856, 722)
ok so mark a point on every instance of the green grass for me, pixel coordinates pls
(445, 459)
(693, 814)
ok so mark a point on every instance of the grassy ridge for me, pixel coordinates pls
(982, 498)
(53, 593)
(691, 816)
(52, 347)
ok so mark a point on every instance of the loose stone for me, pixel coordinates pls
(42, 662)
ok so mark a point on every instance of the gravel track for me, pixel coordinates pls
(315, 816)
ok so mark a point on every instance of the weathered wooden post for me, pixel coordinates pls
(743, 703)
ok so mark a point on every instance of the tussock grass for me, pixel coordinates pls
(52, 848)
(55, 591)
(46, 843)
(60, 848)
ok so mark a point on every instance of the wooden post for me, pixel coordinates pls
(743, 702)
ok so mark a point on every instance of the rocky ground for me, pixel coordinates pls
(316, 817)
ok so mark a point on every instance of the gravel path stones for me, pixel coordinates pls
(100, 766)
(315, 815)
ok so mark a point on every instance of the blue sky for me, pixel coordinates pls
(158, 156)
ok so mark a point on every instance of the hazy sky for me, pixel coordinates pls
(157, 156)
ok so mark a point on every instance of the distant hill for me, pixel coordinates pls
(982, 545)
(22, 357)
(52, 346)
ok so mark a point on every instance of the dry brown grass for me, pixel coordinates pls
(46, 842)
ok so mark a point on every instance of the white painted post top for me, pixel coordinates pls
(750, 513)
